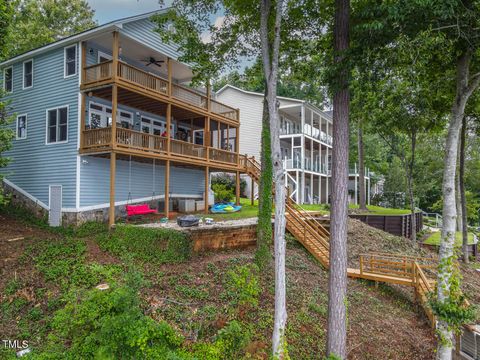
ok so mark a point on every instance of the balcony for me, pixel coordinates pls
(141, 81)
(138, 143)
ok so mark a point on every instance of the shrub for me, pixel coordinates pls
(242, 285)
(109, 324)
(158, 246)
(229, 344)
(222, 193)
(229, 182)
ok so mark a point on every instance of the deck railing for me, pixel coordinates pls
(390, 264)
(142, 78)
(93, 138)
(141, 141)
(97, 72)
(183, 148)
(223, 156)
(130, 74)
(224, 110)
(149, 143)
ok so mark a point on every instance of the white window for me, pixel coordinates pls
(22, 126)
(156, 127)
(8, 79)
(28, 74)
(70, 61)
(100, 116)
(57, 125)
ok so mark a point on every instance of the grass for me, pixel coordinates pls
(434, 239)
(323, 209)
(378, 210)
(247, 211)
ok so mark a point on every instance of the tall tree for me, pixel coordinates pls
(270, 26)
(6, 134)
(337, 282)
(361, 167)
(461, 179)
(39, 22)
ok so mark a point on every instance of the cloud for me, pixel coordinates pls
(206, 37)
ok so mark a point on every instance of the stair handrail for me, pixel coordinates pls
(292, 211)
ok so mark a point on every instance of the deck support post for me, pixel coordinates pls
(237, 188)
(252, 192)
(82, 119)
(207, 188)
(169, 76)
(206, 136)
(111, 210)
(167, 189)
(169, 122)
(83, 61)
(114, 115)
(115, 50)
(209, 95)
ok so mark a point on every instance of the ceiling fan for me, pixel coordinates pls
(151, 60)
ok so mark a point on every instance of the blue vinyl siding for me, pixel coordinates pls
(143, 181)
(144, 32)
(34, 165)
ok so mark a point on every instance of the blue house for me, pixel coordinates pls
(106, 118)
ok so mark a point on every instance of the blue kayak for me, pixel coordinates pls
(225, 208)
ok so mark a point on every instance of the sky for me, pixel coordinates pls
(108, 10)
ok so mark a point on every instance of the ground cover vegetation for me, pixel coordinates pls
(185, 305)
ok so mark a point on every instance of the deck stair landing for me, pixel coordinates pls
(382, 267)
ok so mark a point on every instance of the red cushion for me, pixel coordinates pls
(139, 209)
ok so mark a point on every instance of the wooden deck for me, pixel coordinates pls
(136, 143)
(141, 82)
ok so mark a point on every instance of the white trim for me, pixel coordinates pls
(46, 124)
(16, 127)
(23, 74)
(65, 76)
(102, 54)
(79, 111)
(4, 81)
(77, 182)
(105, 113)
(117, 24)
(26, 194)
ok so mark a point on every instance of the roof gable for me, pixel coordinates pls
(87, 34)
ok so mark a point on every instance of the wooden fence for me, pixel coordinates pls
(399, 225)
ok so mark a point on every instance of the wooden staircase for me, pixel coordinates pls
(380, 267)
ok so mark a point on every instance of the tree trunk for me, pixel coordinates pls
(270, 54)
(446, 254)
(337, 282)
(411, 166)
(361, 168)
(463, 200)
(264, 226)
(458, 199)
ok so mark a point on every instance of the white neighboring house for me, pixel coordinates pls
(305, 138)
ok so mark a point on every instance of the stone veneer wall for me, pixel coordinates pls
(68, 218)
